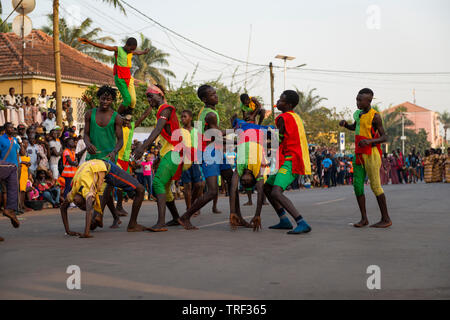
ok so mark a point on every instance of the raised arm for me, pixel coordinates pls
(351, 127)
(98, 45)
(143, 116)
(140, 52)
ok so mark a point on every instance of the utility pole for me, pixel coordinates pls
(403, 133)
(272, 91)
(57, 60)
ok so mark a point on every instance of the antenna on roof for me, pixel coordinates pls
(414, 96)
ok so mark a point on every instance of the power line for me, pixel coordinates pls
(4, 21)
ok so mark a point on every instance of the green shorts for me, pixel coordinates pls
(284, 177)
(166, 170)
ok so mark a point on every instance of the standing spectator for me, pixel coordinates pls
(33, 153)
(9, 146)
(81, 149)
(43, 153)
(24, 165)
(69, 112)
(147, 173)
(333, 173)
(51, 102)
(400, 166)
(49, 123)
(55, 151)
(42, 103)
(384, 169)
(70, 164)
(326, 165)
(12, 114)
(37, 116)
(28, 112)
(394, 167)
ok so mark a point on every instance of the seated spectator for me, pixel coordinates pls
(48, 188)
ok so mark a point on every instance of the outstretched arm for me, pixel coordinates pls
(98, 45)
(140, 52)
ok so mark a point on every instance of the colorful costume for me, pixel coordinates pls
(211, 167)
(124, 153)
(122, 77)
(250, 149)
(367, 160)
(91, 176)
(293, 153)
(103, 138)
(171, 153)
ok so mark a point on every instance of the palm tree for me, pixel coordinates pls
(308, 102)
(444, 118)
(69, 36)
(149, 67)
(5, 27)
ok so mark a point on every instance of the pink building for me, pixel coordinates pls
(423, 119)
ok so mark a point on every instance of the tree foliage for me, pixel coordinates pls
(69, 35)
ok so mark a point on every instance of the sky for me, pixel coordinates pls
(384, 36)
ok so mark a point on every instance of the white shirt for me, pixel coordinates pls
(49, 124)
(42, 103)
(57, 145)
(11, 100)
(80, 146)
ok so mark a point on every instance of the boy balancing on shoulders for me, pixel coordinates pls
(369, 133)
(85, 193)
(251, 108)
(122, 70)
(293, 161)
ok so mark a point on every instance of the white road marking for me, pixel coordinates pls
(330, 201)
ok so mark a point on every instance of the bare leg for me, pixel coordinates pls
(133, 226)
(174, 212)
(119, 206)
(161, 223)
(385, 220)
(196, 193)
(211, 182)
(187, 190)
(284, 202)
(108, 201)
(249, 195)
(214, 208)
(362, 208)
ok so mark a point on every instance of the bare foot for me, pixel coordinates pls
(248, 204)
(215, 210)
(173, 223)
(361, 224)
(1, 239)
(196, 214)
(158, 228)
(136, 228)
(382, 224)
(115, 224)
(121, 212)
(256, 223)
(12, 216)
(265, 203)
(237, 221)
(186, 223)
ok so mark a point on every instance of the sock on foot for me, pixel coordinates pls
(284, 221)
(302, 227)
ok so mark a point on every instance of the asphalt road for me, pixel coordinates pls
(217, 263)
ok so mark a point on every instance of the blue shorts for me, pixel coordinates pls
(209, 166)
(192, 175)
(118, 178)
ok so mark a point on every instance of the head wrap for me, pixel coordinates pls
(154, 89)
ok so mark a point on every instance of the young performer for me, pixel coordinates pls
(251, 108)
(293, 161)
(250, 165)
(369, 133)
(128, 127)
(211, 167)
(191, 178)
(104, 136)
(85, 193)
(122, 74)
(171, 163)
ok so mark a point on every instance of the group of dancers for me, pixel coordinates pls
(108, 136)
